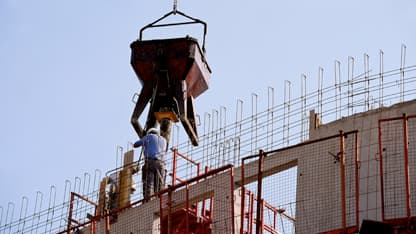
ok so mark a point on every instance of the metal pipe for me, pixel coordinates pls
(380, 152)
(251, 212)
(161, 213)
(259, 211)
(232, 199)
(406, 166)
(187, 208)
(343, 191)
(169, 221)
(357, 182)
(71, 206)
(243, 194)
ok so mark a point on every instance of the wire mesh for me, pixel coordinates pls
(393, 169)
(223, 143)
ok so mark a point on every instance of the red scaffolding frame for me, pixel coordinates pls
(247, 220)
(407, 219)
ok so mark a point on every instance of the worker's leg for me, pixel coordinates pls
(160, 175)
(148, 178)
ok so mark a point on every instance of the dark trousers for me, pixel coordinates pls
(153, 177)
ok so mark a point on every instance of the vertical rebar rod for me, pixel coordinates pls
(367, 81)
(11, 206)
(85, 191)
(270, 116)
(172, 138)
(78, 179)
(303, 106)
(338, 96)
(223, 124)
(207, 121)
(222, 119)
(350, 85)
(335, 89)
(177, 134)
(23, 212)
(381, 80)
(320, 90)
(286, 114)
(51, 209)
(253, 132)
(1, 216)
(84, 184)
(38, 208)
(237, 129)
(214, 139)
(238, 117)
(402, 66)
(237, 155)
(66, 190)
(119, 154)
(97, 181)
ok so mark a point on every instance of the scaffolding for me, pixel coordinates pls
(265, 128)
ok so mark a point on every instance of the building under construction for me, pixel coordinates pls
(341, 159)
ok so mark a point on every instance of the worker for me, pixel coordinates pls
(153, 170)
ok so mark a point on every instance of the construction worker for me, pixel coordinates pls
(153, 170)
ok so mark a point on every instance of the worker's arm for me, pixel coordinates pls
(138, 143)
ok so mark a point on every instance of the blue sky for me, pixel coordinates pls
(66, 82)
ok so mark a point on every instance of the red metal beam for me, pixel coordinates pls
(406, 166)
(343, 199)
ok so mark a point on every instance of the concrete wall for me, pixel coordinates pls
(369, 173)
(318, 194)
